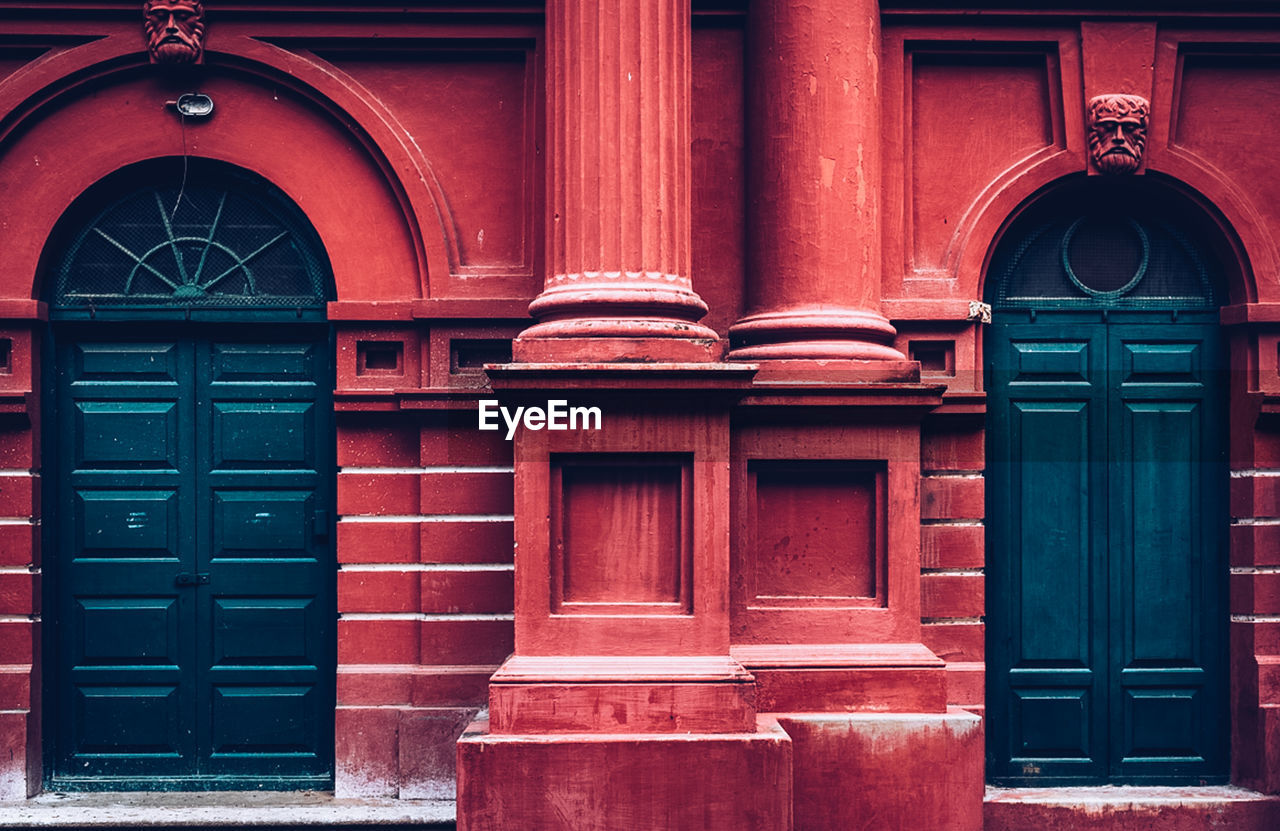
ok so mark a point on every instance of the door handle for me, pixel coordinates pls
(186, 578)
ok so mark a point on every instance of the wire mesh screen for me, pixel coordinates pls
(1133, 259)
(204, 245)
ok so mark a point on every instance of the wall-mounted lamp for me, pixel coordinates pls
(194, 105)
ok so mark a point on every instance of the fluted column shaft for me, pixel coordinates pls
(618, 90)
(813, 137)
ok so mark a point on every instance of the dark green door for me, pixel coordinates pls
(195, 609)
(1106, 486)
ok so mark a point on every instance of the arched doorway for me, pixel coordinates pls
(189, 482)
(1106, 492)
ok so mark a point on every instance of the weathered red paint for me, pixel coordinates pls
(457, 162)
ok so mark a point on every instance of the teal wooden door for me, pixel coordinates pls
(1106, 520)
(194, 576)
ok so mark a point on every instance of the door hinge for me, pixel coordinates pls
(186, 578)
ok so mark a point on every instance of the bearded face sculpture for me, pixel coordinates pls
(1118, 132)
(175, 31)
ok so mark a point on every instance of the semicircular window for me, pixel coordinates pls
(219, 243)
(1110, 257)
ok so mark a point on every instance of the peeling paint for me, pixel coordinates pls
(828, 170)
(13, 782)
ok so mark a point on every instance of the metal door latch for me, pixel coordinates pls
(188, 579)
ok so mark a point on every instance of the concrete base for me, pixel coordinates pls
(888, 771)
(646, 782)
(1130, 809)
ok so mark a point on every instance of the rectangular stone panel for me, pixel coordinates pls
(971, 115)
(815, 531)
(620, 535)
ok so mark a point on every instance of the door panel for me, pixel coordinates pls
(1168, 482)
(264, 558)
(1104, 520)
(194, 584)
(1045, 478)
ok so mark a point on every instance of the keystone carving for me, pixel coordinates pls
(1118, 132)
(175, 31)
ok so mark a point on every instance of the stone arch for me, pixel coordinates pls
(1181, 204)
(999, 209)
(371, 197)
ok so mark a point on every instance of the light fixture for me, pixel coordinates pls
(194, 105)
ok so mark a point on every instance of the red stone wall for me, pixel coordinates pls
(424, 550)
(429, 200)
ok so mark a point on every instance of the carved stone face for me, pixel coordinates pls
(175, 30)
(1118, 132)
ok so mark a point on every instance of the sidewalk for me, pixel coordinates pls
(223, 809)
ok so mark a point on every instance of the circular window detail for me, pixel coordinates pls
(208, 244)
(1105, 258)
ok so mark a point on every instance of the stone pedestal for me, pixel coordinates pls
(899, 771)
(589, 782)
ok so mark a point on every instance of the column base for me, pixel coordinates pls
(840, 678)
(712, 782)
(627, 694)
(605, 350)
(887, 770)
(814, 333)
(833, 370)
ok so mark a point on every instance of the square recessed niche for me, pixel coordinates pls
(620, 535)
(468, 356)
(936, 357)
(376, 357)
(816, 534)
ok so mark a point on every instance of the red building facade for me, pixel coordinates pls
(937, 445)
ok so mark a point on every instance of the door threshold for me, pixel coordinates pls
(1131, 808)
(222, 809)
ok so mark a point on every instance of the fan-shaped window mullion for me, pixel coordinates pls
(210, 245)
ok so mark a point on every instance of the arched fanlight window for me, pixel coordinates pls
(219, 240)
(1128, 250)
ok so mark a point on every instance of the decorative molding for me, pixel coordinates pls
(174, 30)
(1117, 131)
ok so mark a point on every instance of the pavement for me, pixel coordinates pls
(223, 809)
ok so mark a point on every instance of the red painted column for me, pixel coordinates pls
(618, 91)
(813, 139)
